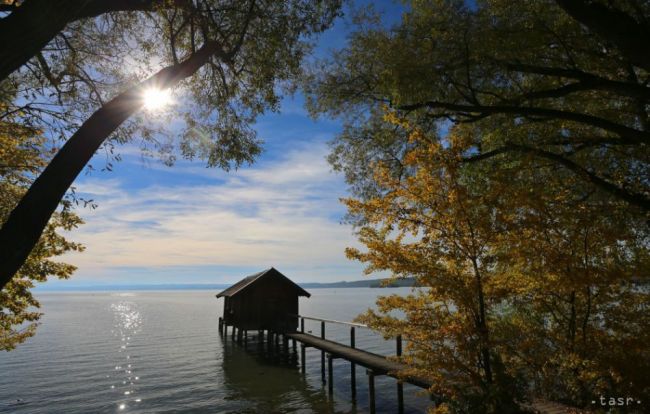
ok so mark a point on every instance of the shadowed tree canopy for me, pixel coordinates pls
(557, 82)
(230, 59)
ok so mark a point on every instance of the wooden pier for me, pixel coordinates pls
(375, 365)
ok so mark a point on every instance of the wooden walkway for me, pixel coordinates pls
(379, 364)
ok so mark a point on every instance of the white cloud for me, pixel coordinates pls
(285, 211)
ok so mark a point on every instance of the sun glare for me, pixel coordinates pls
(155, 99)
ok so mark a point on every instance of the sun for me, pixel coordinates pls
(155, 99)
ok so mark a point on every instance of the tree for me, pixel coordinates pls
(23, 152)
(509, 68)
(237, 54)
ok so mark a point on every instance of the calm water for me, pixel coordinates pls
(160, 352)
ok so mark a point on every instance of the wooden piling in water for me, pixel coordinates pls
(400, 397)
(400, 385)
(330, 374)
(353, 367)
(371, 390)
(322, 352)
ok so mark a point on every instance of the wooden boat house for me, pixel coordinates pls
(267, 300)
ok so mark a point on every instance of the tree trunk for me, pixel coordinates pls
(25, 224)
(32, 25)
(481, 323)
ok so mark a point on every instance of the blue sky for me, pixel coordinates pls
(189, 224)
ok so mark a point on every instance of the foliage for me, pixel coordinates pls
(499, 153)
(24, 151)
(93, 58)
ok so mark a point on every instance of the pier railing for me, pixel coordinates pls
(352, 325)
(353, 372)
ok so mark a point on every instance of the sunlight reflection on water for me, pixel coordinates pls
(127, 323)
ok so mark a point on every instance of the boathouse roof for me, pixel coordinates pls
(252, 279)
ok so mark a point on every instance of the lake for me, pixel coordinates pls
(161, 352)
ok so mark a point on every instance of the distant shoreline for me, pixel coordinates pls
(371, 283)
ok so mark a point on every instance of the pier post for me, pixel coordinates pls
(246, 337)
(302, 325)
(302, 358)
(400, 397)
(240, 334)
(330, 373)
(232, 334)
(371, 390)
(353, 367)
(285, 343)
(400, 385)
(220, 325)
(322, 353)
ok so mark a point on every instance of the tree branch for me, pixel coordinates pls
(614, 26)
(633, 198)
(590, 81)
